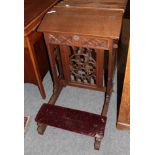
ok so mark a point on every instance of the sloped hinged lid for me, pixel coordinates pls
(117, 5)
(83, 21)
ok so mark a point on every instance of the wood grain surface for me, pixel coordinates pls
(124, 112)
(118, 5)
(83, 21)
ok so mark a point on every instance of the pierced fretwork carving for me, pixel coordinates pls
(97, 43)
(60, 39)
(83, 65)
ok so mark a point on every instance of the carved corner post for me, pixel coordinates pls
(64, 52)
(109, 83)
(57, 75)
(56, 68)
(100, 68)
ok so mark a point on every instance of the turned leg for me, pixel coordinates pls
(41, 128)
(97, 142)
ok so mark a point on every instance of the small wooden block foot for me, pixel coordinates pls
(97, 143)
(41, 128)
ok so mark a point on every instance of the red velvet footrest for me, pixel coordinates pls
(73, 120)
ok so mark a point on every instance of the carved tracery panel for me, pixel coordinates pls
(83, 65)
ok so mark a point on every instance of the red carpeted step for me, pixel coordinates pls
(73, 120)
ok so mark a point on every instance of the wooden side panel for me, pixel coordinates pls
(42, 56)
(42, 59)
(124, 113)
(29, 75)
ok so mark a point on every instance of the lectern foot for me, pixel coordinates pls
(41, 128)
(97, 143)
